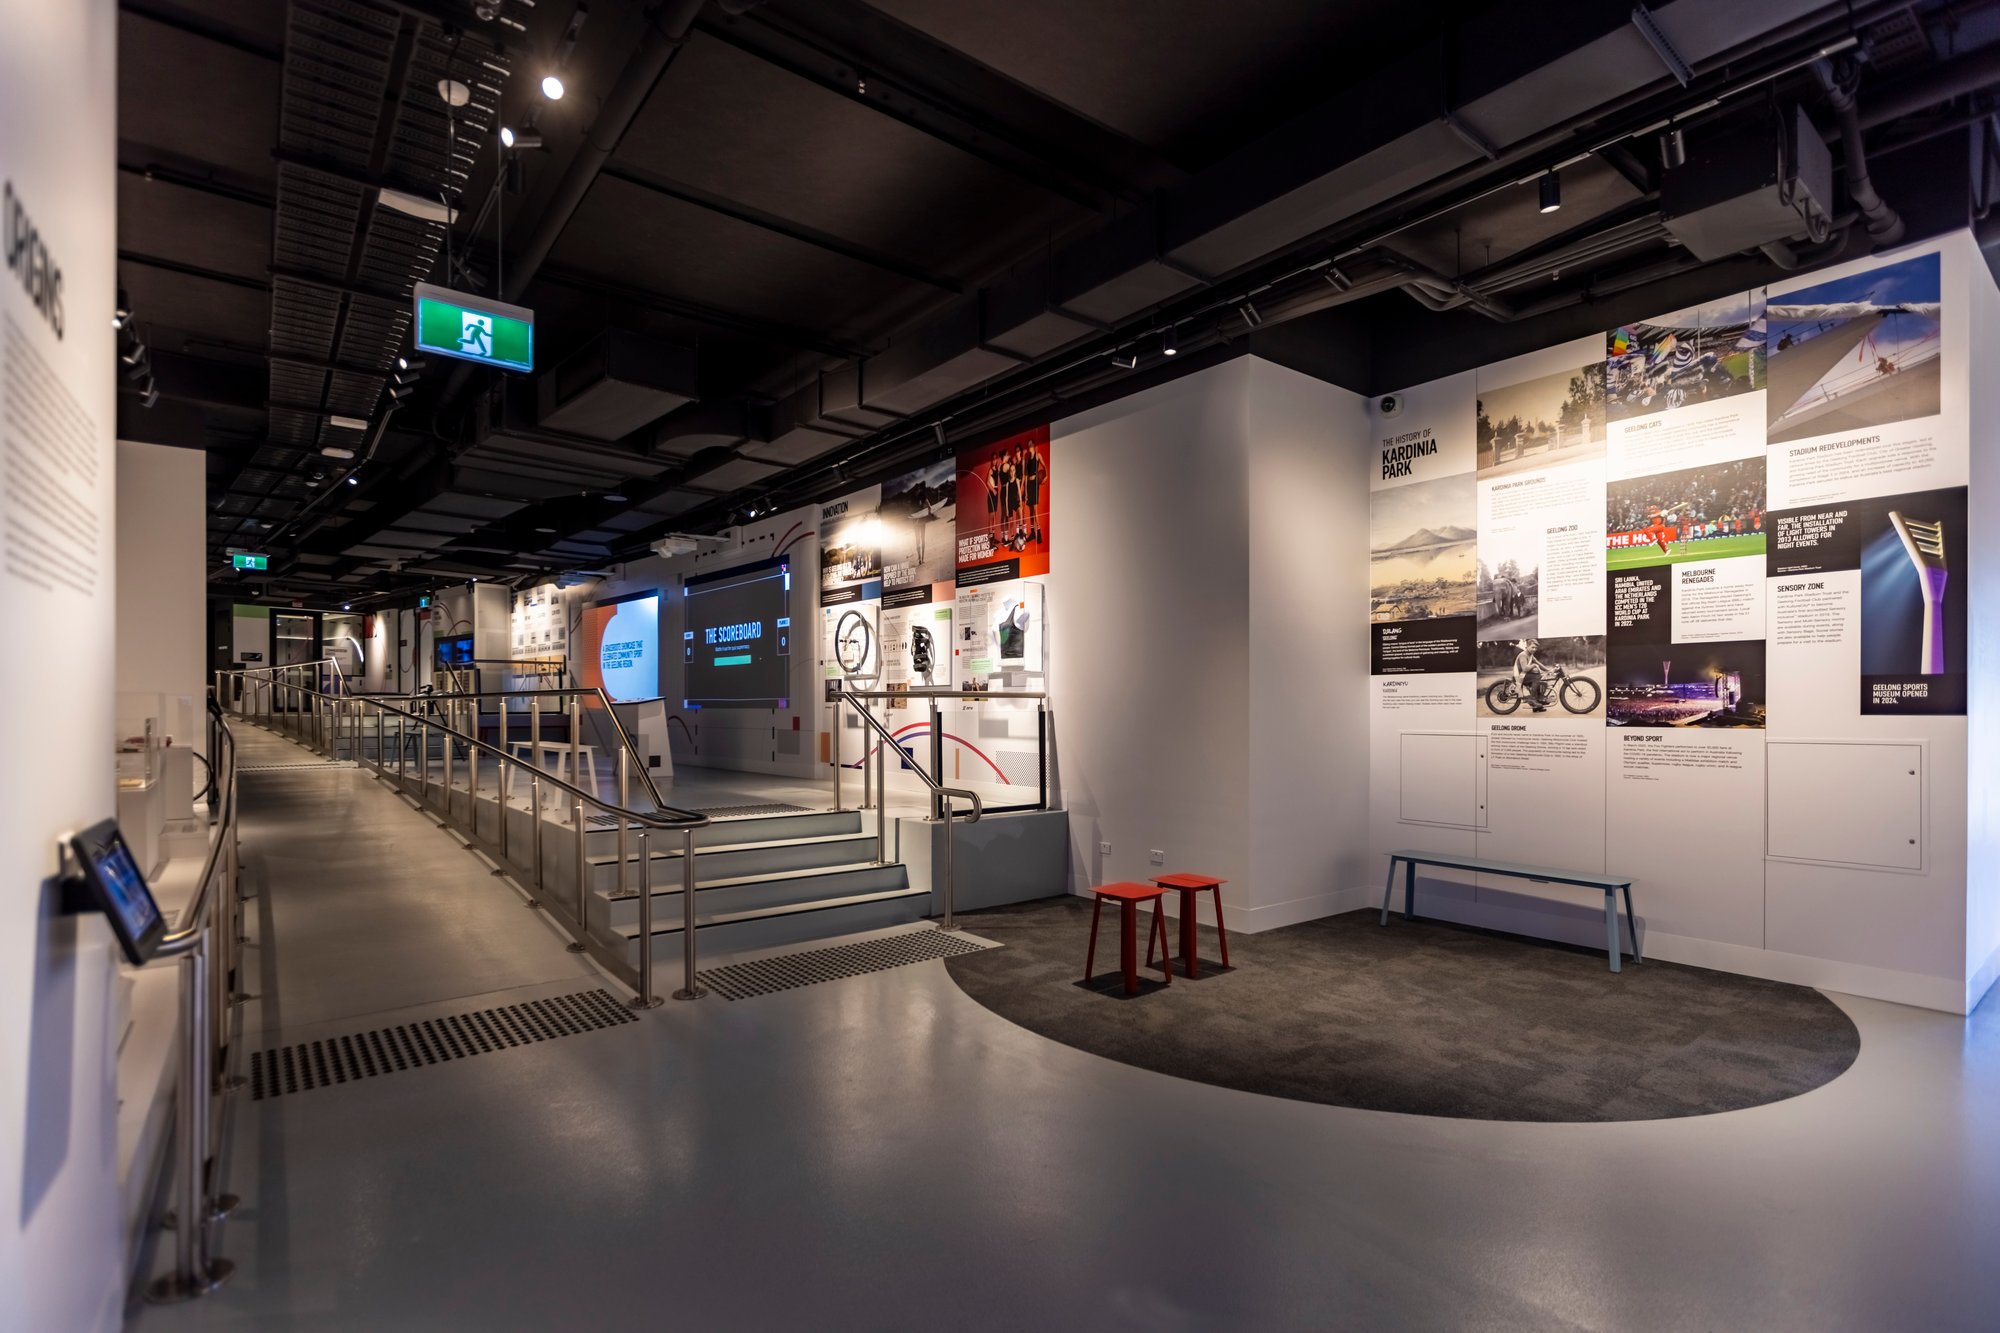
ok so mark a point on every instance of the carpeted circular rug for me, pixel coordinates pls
(1420, 1017)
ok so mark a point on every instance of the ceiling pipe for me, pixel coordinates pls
(1941, 83)
(1885, 228)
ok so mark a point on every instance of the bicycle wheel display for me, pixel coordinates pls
(1502, 697)
(1580, 694)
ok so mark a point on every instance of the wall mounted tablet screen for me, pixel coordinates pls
(737, 642)
(620, 649)
(118, 888)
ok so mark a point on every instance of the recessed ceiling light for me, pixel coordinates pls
(552, 87)
(544, 529)
(348, 423)
(614, 497)
(335, 451)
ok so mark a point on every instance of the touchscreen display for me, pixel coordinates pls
(126, 886)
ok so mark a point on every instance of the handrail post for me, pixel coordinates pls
(689, 990)
(535, 744)
(937, 756)
(1042, 753)
(502, 774)
(834, 709)
(881, 802)
(624, 803)
(402, 745)
(582, 881)
(445, 730)
(535, 821)
(950, 869)
(645, 999)
(472, 781)
(576, 748)
(423, 760)
(381, 758)
(195, 1273)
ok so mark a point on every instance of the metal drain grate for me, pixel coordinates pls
(430, 1041)
(738, 811)
(767, 976)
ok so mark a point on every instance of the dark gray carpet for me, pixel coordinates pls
(1419, 1017)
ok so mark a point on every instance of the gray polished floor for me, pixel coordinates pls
(882, 1153)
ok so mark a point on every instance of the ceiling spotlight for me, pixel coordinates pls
(399, 392)
(347, 606)
(1552, 193)
(525, 139)
(1673, 149)
(353, 481)
(135, 355)
(1170, 342)
(151, 394)
(402, 363)
(552, 87)
(1125, 360)
(123, 315)
(506, 136)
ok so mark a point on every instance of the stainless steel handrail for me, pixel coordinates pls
(945, 794)
(624, 736)
(662, 817)
(205, 936)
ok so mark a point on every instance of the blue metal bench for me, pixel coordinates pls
(1609, 885)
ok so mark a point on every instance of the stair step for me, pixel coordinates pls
(631, 933)
(704, 852)
(744, 892)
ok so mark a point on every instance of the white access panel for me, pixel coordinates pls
(1857, 803)
(1444, 779)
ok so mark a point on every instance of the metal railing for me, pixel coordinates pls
(205, 941)
(941, 795)
(339, 725)
(871, 787)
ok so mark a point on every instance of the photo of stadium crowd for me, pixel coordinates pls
(1690, 356)
(1698, 513)
(1687, 684)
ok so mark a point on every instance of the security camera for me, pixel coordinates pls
(1390, 404)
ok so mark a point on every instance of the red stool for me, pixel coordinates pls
(1190, 887)
(1128, 897)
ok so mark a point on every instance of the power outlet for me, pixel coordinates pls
(1104, 849)
(1159, 857)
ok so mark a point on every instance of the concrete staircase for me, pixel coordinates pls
(759, 881)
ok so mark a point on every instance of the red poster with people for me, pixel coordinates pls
(1003, 509)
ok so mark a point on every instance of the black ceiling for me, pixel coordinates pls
(875, 227)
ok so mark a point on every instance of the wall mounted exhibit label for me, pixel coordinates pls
(473, 328)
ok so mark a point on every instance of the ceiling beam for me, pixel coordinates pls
(762, 330)
(192, 270)
(771, 222)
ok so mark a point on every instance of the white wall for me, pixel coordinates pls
(1308, 689)
(1982, 907)
(61, 1251)
(162, 616)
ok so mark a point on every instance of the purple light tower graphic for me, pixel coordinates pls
(1924, 541)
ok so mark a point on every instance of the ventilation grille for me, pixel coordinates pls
(767, 976)
(433, 1041)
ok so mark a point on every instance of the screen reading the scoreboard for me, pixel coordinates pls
(737, 643)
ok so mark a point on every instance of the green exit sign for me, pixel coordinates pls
(473, 328)
(245, 561)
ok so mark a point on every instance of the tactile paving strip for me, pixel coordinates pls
(431, 1041)
(789, 971)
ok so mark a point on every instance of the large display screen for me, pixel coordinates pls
(737, 644)
(621, 647)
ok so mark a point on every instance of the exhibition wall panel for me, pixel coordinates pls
(61, 1246)
(162, 511)
(1150, 629)
(1689, 600)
